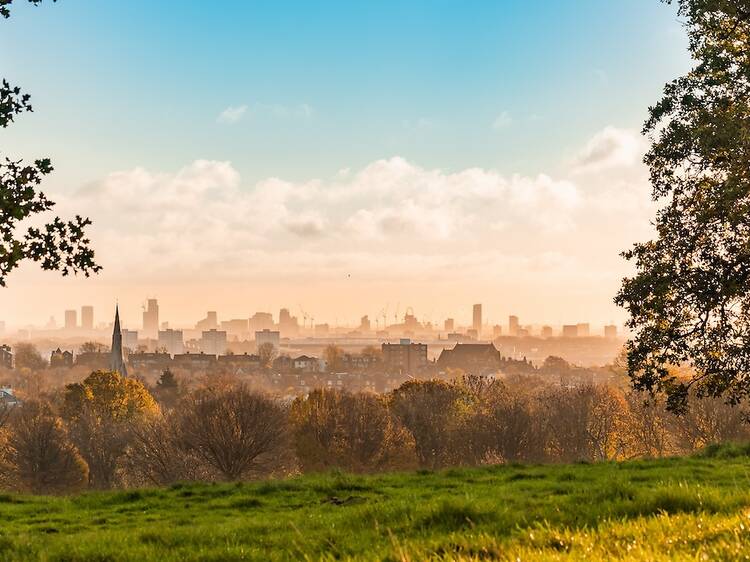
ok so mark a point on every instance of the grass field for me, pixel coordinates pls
(692, 508)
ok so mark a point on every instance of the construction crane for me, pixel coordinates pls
(305, 316)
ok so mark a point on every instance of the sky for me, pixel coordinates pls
(342, 157)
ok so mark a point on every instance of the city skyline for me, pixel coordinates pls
(152, 325)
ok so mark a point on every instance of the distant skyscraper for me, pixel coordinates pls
(129, 340)
(287, 323)
(497, 331)
(477, 320)
(364, 324)
(87, 317)
(71, 320)
(449, 325)
(570, 331)
(268, 336)
(610, 331)
(151, 319)
(546, 331)
(115, 361)
(171, 341)
(583, 329)
(210, 322)
(513, 325)
(214, 342)
(261, 321)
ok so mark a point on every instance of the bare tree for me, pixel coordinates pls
(39, 455)
(266, 353)
(155, 456)
(238, 432)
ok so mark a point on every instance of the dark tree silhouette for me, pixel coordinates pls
(689, 301)
(57, 245)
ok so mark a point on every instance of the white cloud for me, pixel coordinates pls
(610, 148)
(232, 114)
(502, 121)
(390, 220)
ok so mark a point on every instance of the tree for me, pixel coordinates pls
(167, 389)
(27, 356)
(333, 355)
(39, 455)
(266, 353)
(354, 432)
(102, 412)
(92, 347)
(156, 457)
(689, 301)
(237, 432)
(58, 245)
(431, 411)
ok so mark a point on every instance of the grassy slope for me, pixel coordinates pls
(693, 508)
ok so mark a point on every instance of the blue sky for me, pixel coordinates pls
(142, 82)
(380, 117)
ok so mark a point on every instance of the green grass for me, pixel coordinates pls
(692, 508)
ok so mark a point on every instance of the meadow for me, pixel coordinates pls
(695, 508)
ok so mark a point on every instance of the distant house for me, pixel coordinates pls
(194, 361)
(305, 364)
(282, 363)
(239, 364)
(6, 357)
(155, 362)
(61, 359)
(7, 398)
(94, 360)
(475, 358)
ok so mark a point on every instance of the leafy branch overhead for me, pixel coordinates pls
(58, 245)
(689, 301)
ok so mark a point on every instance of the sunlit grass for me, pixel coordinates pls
(693, 508)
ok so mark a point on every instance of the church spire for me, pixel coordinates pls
(116, 362)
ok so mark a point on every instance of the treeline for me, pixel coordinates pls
(111, 432)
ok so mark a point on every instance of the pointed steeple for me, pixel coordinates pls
(115, 362)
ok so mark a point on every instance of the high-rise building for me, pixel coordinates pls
(151, 319)
(214, 342)
(171, 341)
(71, 320)
(583, 329)
(268, 336)
(477, 320)
(129, 340)
(513, 325)
(87, 317)
(570, 331)
(287, 323)
(449, 325)
(546, 331)
(210, 322)
(261, 321)
(610, 331)
(497, 331)
(364, 324)
(405, 356)
(116, 362)
(236, 329)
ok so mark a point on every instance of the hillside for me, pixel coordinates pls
(642, 510)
